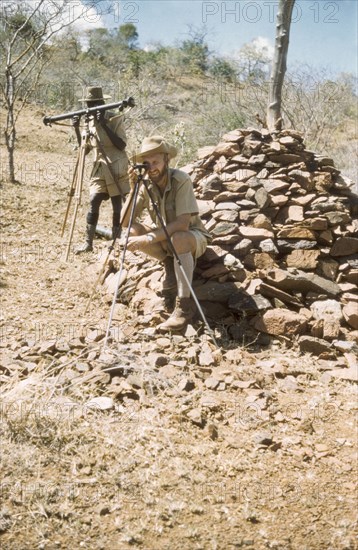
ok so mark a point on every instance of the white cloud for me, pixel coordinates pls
(87, 17)
(263, 45)
(259, 46)
(152, 46)
(72, 13)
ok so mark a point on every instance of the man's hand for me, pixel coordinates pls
(137, 243)
(99, 116)
(133, 176)
(75, 121)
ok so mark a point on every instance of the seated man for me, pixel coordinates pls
(172, 191)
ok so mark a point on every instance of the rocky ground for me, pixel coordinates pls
(153, 441)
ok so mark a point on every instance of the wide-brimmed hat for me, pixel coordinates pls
(153, 145)
(94, 93)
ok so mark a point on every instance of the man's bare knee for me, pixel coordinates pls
(183, 242)
(137, 229)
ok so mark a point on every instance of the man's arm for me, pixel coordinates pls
(181, 223)
(76, 125)
(116, 140)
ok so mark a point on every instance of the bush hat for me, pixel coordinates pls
(153, 145)
(94, 93)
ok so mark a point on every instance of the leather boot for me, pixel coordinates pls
(88, 244)
(170, 280)
(183, 313)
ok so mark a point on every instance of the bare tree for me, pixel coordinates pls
(283, 24)
(25, 36)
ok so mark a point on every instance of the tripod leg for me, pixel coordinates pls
(78, 192)
(133, 203)
(71, 194)
(107, 257)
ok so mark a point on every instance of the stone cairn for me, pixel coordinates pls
(283, 257)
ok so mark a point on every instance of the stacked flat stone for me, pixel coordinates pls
(282, 220)
(284, 253)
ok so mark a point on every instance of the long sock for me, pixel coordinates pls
(187, 261)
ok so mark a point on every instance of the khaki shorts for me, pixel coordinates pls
(200, 239)
(201, 242)
(102, 182)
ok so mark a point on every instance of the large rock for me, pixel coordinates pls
(227, 149)
(344, 247)
(289, 245)
(285, 297)
(295, 213)
(350, 313)
(262, 198)
(215, 291)
(281, 322)
(302, 233)
(255, 233)
(273, 186)
(316, 346)
(244, 303)
(244, 174)
(303, 259)
(327, 309)
(302, 282)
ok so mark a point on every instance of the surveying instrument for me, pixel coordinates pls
(77, 180)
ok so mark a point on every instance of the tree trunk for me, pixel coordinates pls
(25, 45)
(284, 14)
(10, 130)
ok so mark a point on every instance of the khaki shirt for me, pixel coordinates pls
(101, 175)
(178, 198)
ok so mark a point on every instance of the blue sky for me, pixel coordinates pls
(323, 32)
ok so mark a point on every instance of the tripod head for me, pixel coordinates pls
(141, 167)
(140, 170)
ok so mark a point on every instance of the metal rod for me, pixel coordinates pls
(78, 191)
(71, 194)
(133, 202)
(107, 257)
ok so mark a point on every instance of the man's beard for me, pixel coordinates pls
(156, 176)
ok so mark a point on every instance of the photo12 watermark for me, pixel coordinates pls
(68, 12)
(241, 414)
(66, 414)
(251, 12)
(55, 492)
(262, 493)
(48, 334)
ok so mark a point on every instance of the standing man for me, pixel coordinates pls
(173, 192)
(109, 175)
